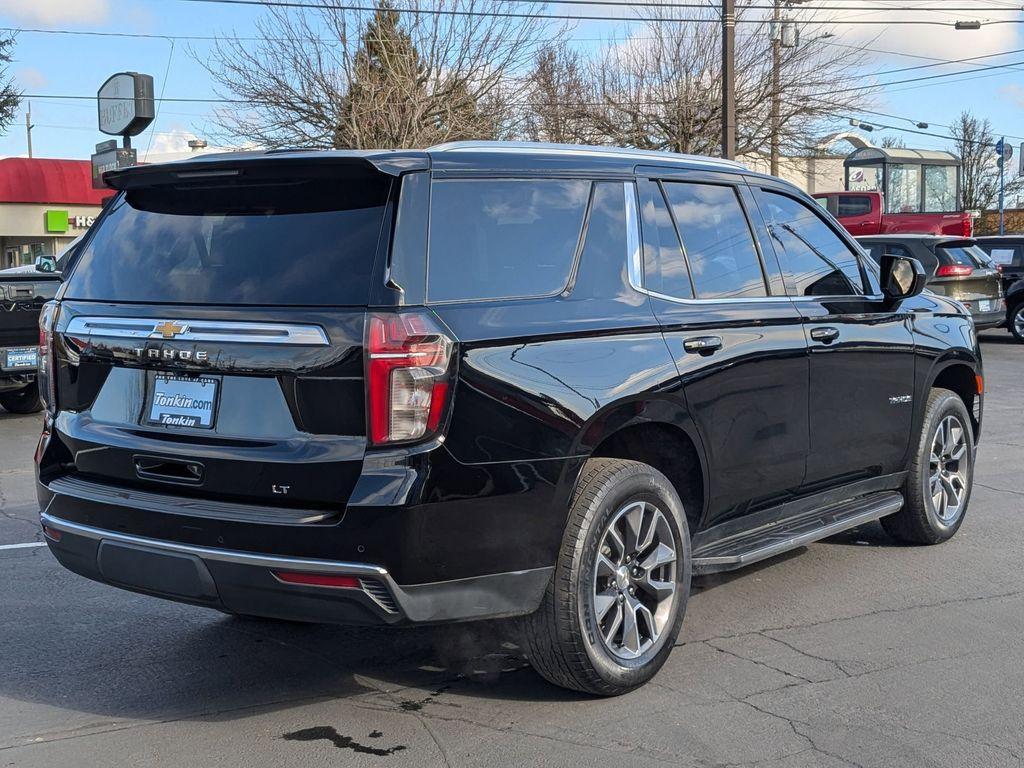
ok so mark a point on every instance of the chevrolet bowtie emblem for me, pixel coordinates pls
(169, 329)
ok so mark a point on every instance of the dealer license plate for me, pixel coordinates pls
(183, 401)
(22, 357)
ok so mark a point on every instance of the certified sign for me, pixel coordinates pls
(125, 104)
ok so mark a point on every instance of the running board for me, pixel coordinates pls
(740, 549)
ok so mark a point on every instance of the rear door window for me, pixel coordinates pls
(717, 241)
(854, 205)
(503, 238)
(300, 242)
(1004, 255)
(665, 269)
(815, 261)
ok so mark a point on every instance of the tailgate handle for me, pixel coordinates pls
(169, 470)
(16, 291)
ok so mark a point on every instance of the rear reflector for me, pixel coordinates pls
(51, 533)
(318, 579)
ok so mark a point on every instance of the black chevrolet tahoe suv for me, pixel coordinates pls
(487, 380)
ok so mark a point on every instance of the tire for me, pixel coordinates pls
(24, 400)
(1015, 321)
(565, 640)
(938, 486)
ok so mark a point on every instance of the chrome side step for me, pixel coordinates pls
(741, 549)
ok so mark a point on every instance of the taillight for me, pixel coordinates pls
(968, 227)
(954, 270)
(407, 376)
(46, 376)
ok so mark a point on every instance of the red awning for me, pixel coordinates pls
(48, 182)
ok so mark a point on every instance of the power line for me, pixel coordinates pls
(570, 17)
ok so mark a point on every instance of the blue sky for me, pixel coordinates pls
(77, 64)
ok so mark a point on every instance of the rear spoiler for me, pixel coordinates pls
(268, 165)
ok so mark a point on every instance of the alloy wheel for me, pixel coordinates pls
(1018, 321)
(949, 469)
(634, 585)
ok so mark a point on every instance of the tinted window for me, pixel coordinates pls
(967, 256)
(815, 261)
(717, 240)
(665, 269)
(492, 239)
(309, 242)
(877, 250)
(1004, 254)
(854, 206)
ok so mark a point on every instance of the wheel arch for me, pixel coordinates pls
(959, 375)
(658, 433)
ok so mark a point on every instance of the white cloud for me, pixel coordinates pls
(31, 79)
(57, 11)
(1014, 94)
(175, 140)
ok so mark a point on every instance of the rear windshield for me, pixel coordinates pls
(968, 256)
(307, 242)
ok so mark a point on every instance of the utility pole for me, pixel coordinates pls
(1002, 186)
(776, 66)
(29, 127)
(729, 79)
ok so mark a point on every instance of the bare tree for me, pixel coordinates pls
(893, 142)
(662, 88)
(10, 97)
(393, 77)
(561, 98)
(975, 145)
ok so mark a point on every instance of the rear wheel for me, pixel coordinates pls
(1015, 321)
(938, 486)
(24, 400)
(612, 611)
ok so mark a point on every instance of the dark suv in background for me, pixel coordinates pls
(487, 380)
(955, 266)
(1007, 254)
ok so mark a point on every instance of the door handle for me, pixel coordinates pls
(825, 335)
(703, 345)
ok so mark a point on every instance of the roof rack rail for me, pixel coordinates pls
(540, 146)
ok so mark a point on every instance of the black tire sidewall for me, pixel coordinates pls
(21, 401)
(949, 405)
(1018, 309)
(651, 486)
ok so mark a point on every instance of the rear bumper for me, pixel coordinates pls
(244, 582)
(984, 320)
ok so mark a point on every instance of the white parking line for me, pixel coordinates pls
(23, 546)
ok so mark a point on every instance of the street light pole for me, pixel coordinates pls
(729, 79)
(29, 127)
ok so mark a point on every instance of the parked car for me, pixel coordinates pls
(956, 267)
(23, 291)
(488, 380)
(861, 213)
(1007, 252)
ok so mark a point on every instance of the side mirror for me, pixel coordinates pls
(46, 264)
(902, 277)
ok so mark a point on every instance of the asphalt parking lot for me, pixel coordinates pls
(852, 652)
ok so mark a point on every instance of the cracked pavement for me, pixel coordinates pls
(851, 652)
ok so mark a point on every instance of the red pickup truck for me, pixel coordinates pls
(861, 213)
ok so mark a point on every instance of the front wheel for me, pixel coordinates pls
(613, 608)
(938, 485)
(24, 400)
(1015, 321)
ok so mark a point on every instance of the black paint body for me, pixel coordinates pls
(541, 385)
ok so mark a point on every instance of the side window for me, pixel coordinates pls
(503, 238)
(717, 241)
(665, 269)
(815, 261)
(854, 205)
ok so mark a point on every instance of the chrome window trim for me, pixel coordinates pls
(231, 331)
(634, 254)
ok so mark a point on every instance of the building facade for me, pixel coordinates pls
(44, 205)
